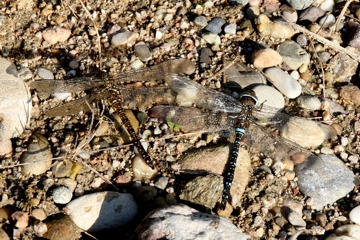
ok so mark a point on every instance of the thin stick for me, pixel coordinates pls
(337, 23)
(353, 54)
(221, 71)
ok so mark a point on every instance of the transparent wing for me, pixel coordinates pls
(305, 132)
(189, 119)
(191, 93)
(279, 148)
(72, 85)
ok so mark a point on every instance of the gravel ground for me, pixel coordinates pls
(168, 30)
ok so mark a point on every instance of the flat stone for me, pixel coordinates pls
(200, 21)
(164, 223)
(309, 102)
(102, 210)
(123, 37)
(276, 29)
(341, 68)
(293, 54)
(56, 34)
(299, 5)
(312, 14)
(142, 51)
(215, 25)
(269, 96)
(355, 215)
(211, 38)
(305, 132)
(286, 84)
(230, 29)
(213, 160)
(326, 184)
(38, 157)
(265, 58)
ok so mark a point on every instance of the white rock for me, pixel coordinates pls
(334, 237)
(327, 5)
(350, 230)
(141, 170)
(285, 83)
(269, 96)
(61, 195)
(304, 132)
(183, 222)
(56, 34)
(123, 37)
(355, 215)
(103, 210)
(136, 64)
(230, 29)
(308, 102)
(15, 102)
(327, 21)
(211, 38)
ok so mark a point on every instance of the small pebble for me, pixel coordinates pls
(136, 64)
(355, 215)
(56, 34)
(39, 214)
(142, 51)
(327, 21)
(123, 37)
(74, 64)
(327, 5)
(265, 58)
(200, 21)
(141, 170)
(308, 102)
(61, 195)
(230, 29)
(299, 5)
(215, 25)
(211, 38)
(21, 219)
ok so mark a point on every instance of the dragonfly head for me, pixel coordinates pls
(248, 97)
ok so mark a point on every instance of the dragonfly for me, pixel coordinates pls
(116, 95)
(191, 106)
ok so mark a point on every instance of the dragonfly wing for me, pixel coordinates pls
(305, 132)
(279, 148)
(143, 98)
(75, 106)
(72, 85)
(158, 71)
(191, 93)
(189, 119)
